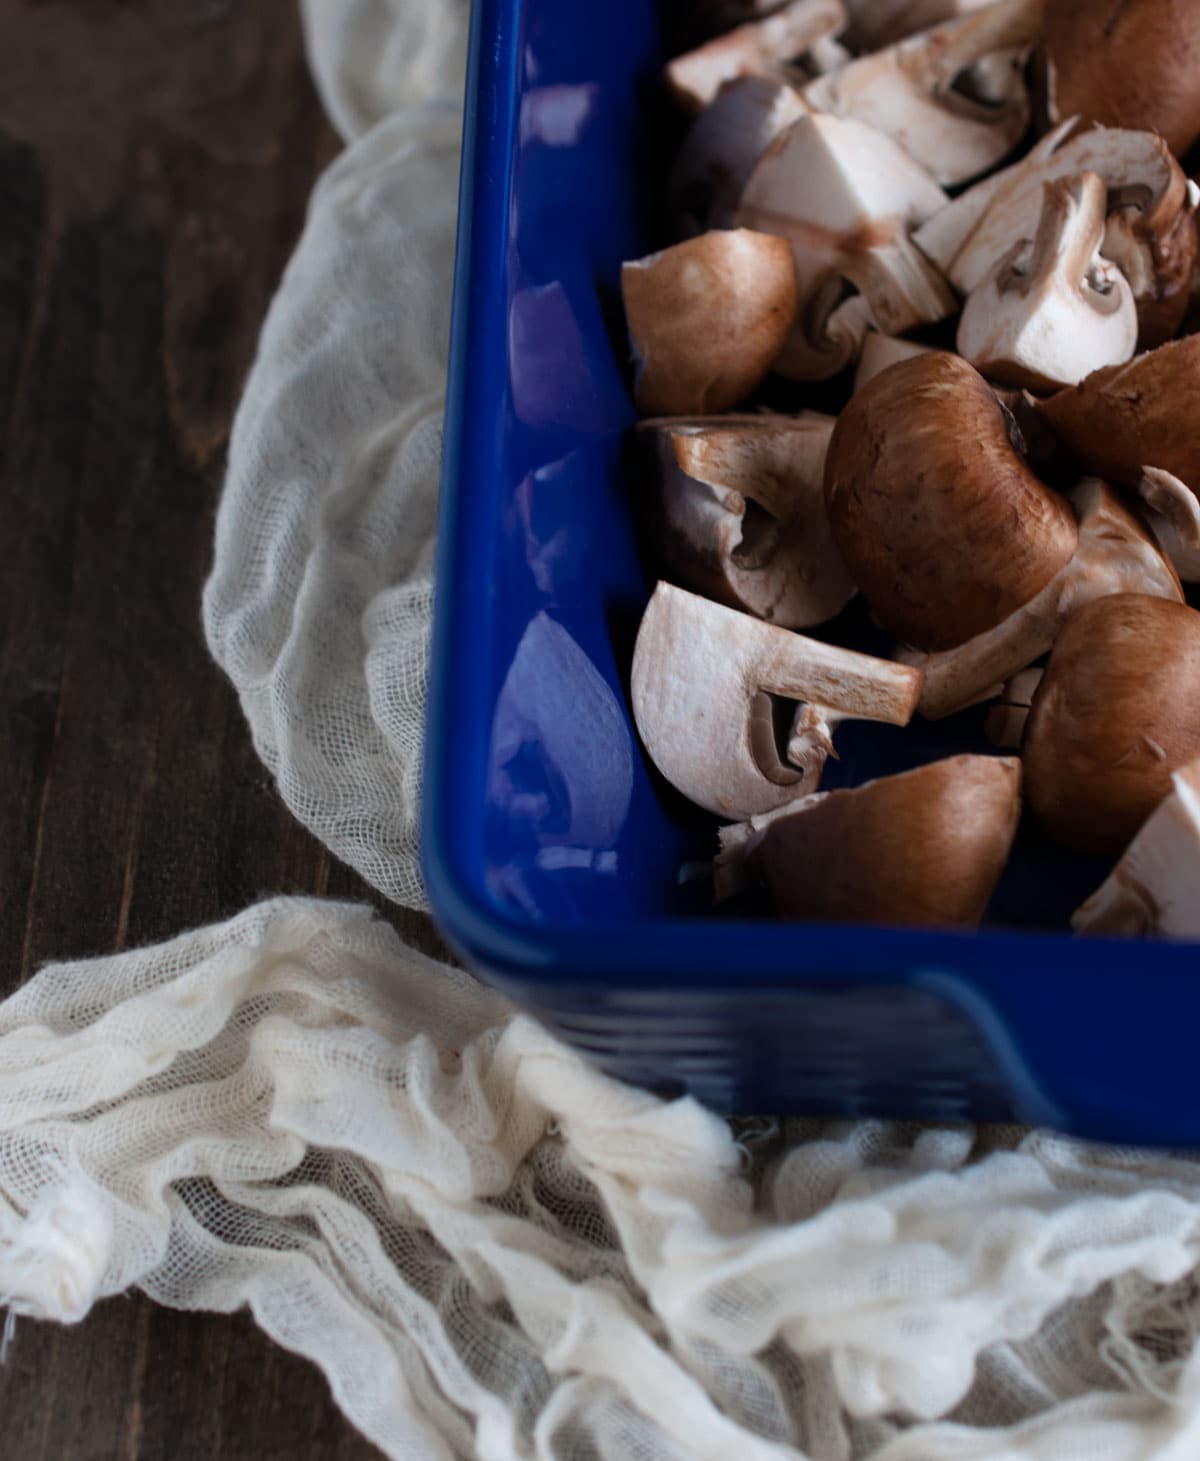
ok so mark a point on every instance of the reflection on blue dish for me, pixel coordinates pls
(553, 853)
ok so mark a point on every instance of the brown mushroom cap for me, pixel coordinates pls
(923, 847)
(1124, 418)
(1117, 711)
(706, 319)
(940, 522)
(1132, 64)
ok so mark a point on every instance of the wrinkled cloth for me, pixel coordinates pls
(488, 1248)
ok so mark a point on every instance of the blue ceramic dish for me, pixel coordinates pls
(552, 851)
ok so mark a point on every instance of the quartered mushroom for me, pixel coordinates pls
(1132, 64)
(1115, 554)
(1138, 425)
(740, 513)
(954, 97)
(721, 147)
(942, 525)
(803, 32)
(1150, 231)
(922, 847)
(1117, 711)
(739, 715)
(706, 319)
(878, 23)
(1155, 888)
(846, 198)
(1053, 309)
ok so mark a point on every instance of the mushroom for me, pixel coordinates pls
(711, 689)
(845, 197)
(880, 351)
(942, 525)
(922, 847)
(1155, 888)
(1115, 555)
(803, 28)
(721, 147)
(1052, 308)
(1139, 425)
(1004, 724)
(1117, 711)
(706, 318)
(1132, 64)
(877, 23)
(1150, 231)
(1184, 556)
(741, 513)
(954, 97)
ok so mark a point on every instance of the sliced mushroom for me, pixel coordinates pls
(1138, 425)
(1115, 555)
(1132, 64)
(846, 197)
(878, 23)
(1004, 724)
(738, 715)
(722, 146)
(1117, 711)
(923, 847)
(706, 318)
(758, 48)
(1150, 232)
(954, 97)
(940, 522)
(1155, 888)
(1052, 308)
(880, 351)
(741, 514)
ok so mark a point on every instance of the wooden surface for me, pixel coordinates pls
(155, 161)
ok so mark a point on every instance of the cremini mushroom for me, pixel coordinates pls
(1115, 554)
(1150, 231)
(1155, 888)
(954, 97)
(1128, 64)
(846, 198)
(740, 513)
(1117, 711)
(1052, 309)
(721, 147)
(880, 351)
(922, 847)
(1184, 556)
(1139, 426)
(1004, 724)
(765, 47)
(942, 525)
(737, 714)
(706, 318)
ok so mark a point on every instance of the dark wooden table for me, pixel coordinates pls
(155, 161)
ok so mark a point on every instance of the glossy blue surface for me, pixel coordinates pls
(551, 850)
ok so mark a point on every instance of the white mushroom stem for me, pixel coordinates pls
(1166, 495)
(1155, 888)
(846, 197)
(1052, 310)
(758, 48)
(708, 684)
(1185, 559)
(954, 97)
(1115, 554)
(881, 351)
(1004, 724)
(878, 23)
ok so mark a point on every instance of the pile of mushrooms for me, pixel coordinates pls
(964, 230)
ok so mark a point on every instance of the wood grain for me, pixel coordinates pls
(155, 162)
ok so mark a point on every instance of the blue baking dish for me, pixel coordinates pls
(557, 862)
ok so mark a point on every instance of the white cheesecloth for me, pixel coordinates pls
(491, 1250)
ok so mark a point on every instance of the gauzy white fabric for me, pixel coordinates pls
(493, 1251)
(488, 1248)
